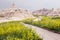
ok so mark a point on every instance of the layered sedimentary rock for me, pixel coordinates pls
(47, 12)
(15, 13)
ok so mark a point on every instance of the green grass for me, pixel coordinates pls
(16, 31)
(47, 23)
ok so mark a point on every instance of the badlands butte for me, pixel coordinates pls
(15, 13)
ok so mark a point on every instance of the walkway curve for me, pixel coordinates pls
(45, 34)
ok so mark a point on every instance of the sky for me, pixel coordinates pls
(30, 4)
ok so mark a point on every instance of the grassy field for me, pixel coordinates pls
(16, 31)
(50, 23)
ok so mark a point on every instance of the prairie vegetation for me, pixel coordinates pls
(50, 23)
(16, 31)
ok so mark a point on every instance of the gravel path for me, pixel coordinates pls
(45, 34)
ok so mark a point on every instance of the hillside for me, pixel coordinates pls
(47, 12)
(15, 13)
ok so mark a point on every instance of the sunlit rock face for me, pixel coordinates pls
(15, 13)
